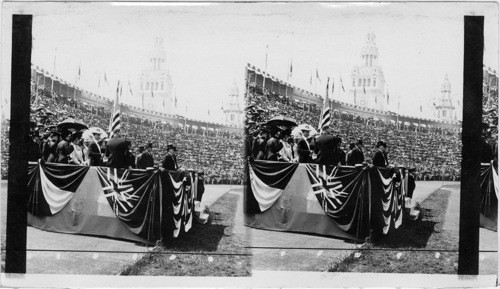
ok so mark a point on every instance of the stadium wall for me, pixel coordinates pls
(41, 76)
(274, 84)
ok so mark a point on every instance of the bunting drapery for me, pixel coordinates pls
(489, 196)
(344, 201)
(138, 205)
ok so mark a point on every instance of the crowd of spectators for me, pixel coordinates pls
(434, 152)
(216, 152)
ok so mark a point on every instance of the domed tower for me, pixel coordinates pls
(367, 79)
(155, 83)
(232, 109)
(444, 104)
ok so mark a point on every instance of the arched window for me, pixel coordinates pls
(369, 82)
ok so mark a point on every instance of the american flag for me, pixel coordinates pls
(115, 121)
(325, 116)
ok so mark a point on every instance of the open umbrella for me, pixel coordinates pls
(97, 130)
(298, 130)
(71, 123)
(281, 120)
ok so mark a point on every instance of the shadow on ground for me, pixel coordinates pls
(204, 238)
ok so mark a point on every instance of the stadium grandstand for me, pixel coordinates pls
(210, 147)
(431, 146)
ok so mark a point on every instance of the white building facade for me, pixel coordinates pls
(233, 113)
(155, 83)
(444, 106)
(367, 79)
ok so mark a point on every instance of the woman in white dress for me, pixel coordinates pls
(76, 157)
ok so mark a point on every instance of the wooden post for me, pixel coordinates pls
(17, 194)
(470, 189)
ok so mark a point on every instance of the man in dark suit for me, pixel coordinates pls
(170, 161)
(117, 148)
(325, 146)
(273, 145)
(357, 155)
(411, 183)
(349, 158)
(339, 157)
(50, 149)
(261, 144)
(380, 156)
(304, 147)
(147, 157)
(94, 151)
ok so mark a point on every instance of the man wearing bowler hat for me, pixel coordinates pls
(357, 155)
(380, 157)
(170, 161)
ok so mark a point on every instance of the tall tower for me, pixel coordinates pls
(155, 83)
(232, 109)
(444, 104)
(368, 83)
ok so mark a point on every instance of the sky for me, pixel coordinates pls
(209, 44)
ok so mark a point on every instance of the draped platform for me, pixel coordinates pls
(489, 196)
(344, 202)
(138, 205)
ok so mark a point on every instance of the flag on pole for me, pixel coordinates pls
(421, 108)
(317, 75)
(79, 71)
(333, 84)
(115, 122)
(99, 82)
(311, 79)
(209, 112)
(387, 97)
(176, 100)
(105, 79)
(291, 68)
(342, 84)
(267, 46)
(325, 115)
(130, 88)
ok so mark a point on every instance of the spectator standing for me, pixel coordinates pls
(349, 158)
(325, 146)
(170, 161)
(304, 147)
(117, 148)
(76, 156)
(358, 156)
(380, 157)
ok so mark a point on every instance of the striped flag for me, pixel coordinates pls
(115, 122)
(325, 115)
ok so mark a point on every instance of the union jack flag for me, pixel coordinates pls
(118, 190)
(327, 187)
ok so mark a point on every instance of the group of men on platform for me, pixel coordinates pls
(279, 145)
(67, 147)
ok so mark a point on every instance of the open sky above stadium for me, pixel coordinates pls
(209, 44)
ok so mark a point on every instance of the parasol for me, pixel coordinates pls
(281, 120)
(71, 123)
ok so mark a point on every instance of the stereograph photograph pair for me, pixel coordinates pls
(276, 144)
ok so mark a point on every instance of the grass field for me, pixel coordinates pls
(212, 249)
(393, 253)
